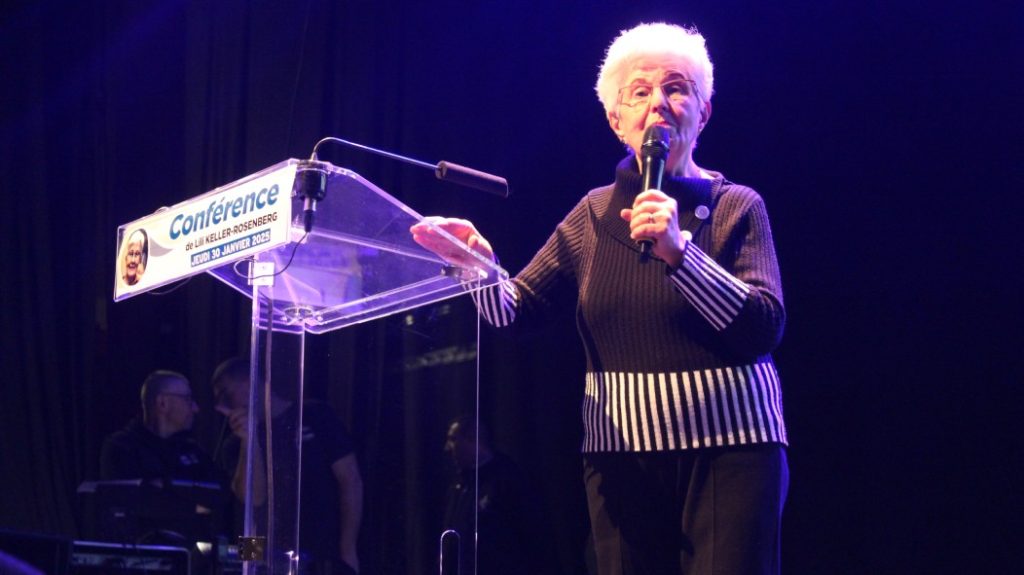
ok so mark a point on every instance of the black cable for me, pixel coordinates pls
(171, 289)
(234, 266)
(295, 247)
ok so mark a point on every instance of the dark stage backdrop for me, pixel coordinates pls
(885, 138)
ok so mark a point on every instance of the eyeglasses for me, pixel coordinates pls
(675, 90)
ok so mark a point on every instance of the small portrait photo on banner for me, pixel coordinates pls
(134, 254)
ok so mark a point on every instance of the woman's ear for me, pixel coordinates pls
(705, 114)
(616, 125)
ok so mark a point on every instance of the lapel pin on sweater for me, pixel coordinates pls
(701, 213)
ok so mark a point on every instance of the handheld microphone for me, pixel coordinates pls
(653, 153)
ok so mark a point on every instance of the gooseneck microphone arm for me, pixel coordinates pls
(444, 171)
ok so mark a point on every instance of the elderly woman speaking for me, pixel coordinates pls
(684, 446)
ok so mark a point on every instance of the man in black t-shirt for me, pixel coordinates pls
(331, 486)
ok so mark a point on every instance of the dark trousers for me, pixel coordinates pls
(702, 512)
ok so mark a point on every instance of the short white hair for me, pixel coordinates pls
(682, 46)
(137, 237)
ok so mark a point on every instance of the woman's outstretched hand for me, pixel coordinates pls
(463, 230)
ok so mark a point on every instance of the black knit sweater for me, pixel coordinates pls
(677, 358)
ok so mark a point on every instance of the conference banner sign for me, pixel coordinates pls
(218, 228)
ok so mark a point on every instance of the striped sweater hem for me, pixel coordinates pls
(719, 407)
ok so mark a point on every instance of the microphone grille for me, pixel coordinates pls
(656, 141)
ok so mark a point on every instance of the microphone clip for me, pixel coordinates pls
(311, 184)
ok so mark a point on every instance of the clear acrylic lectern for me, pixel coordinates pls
(358, 263)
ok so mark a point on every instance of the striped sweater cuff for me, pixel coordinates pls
(716, 293)
(497, 303)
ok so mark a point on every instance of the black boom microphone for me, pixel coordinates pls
(654, 153)
(445, 171)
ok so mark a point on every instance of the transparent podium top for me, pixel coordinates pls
(358, 263)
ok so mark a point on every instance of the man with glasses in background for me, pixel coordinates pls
(179, 487)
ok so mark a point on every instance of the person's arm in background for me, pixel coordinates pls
(238, 419)
(350, 498)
